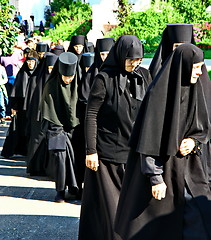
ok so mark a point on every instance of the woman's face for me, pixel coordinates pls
(131, 64)
(41, 54)
(78, 48)
(31, 64)
(196, 72)
(67, 79)
(104, 55)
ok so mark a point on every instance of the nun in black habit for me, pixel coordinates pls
(58, 49)
(16, 139)
(78, 46)
(113, 104)
(37, 147)
(165, 193)
(59, 114)
(174, 35)
(103, 46)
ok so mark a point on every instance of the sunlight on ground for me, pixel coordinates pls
(20, 206)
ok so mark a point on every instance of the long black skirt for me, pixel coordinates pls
(140, 216)
(16, 139)
(99, 201)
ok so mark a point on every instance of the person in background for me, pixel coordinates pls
(173, 35)
(20, 17)
(165, 193)
(30, 27)
(41, 49)
(60, 42)
(78, 46)
(115, 97)
(58, 49)
(3, 94)
(37, 149)
(16, 140)
(103, 46)
(42, 29)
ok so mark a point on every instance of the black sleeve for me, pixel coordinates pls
(153, 168)
(95, 101)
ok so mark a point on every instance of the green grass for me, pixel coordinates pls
(207, 54)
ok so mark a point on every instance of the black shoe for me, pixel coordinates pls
(60, 197)
(74, 195)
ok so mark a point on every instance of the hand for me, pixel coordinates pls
(186, 146)
(92, 161)
(14, 112)
(159, 191)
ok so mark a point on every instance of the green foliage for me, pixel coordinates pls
(209, 72)
(148, 25)
(193, 11)
(8, 29)
(72, 20)
(202, 32)
(66, 29)
(77, 10)
(56, 5)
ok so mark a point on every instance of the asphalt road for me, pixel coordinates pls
(27, 207)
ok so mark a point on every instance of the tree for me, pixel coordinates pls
(193, 11)
(8, 30)
(123, 12)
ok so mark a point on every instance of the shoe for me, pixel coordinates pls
(74, 195)
(60, 197)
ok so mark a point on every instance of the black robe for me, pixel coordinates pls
(114, 100)
(16, 140)
(37, 149)
(173, 109)
(59, 119)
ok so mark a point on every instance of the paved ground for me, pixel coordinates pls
(27, 210)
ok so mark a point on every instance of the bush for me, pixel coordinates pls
(148, 25)
(77, 10)
(202, 32)
(209, 72)
(66, 29)
(72, 20)
(8, 29)
(193, 11)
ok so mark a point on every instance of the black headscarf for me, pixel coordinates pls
(21, 81)
(59, 100)
(76, 40)
(102, 44)
(173, 109)
(173, 33)
(33, 108)
(58, 50)
(127, 46)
